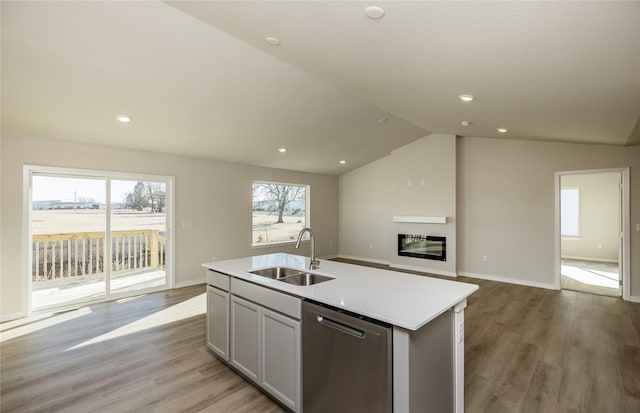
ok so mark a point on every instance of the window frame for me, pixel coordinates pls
(307, 213)
(578, 214)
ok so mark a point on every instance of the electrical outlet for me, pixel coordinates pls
(485, 258)
(598, 245)
(213, 258)
(187, 224)
(371, 246)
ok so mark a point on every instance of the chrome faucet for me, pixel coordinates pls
(313, 263)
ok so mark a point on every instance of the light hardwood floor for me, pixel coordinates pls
(105, 359)
(527, 350)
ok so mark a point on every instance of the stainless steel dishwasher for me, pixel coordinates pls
(346, 361)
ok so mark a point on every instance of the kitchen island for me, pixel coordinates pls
(427, 315)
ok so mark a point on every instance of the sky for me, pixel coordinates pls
(51, 188)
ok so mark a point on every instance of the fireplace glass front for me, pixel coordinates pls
(422, 246)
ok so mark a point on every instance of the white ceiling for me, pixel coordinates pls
(199, 79)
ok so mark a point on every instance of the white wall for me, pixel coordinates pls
(423, 183)
(506, 205)
(364, 212)
(599, 216)
(372, 194)
(214, 196)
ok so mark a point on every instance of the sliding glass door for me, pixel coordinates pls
(68, 225)
(138, 235)
(96, 237)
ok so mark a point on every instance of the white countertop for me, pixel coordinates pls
(405, 300)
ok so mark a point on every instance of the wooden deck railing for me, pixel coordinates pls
(61, 256)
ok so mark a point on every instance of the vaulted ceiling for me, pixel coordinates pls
(200, 79)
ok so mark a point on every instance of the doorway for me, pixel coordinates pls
(591, 231)
(95, 236)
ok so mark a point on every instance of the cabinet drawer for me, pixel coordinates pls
(275, 300)
(219, 280)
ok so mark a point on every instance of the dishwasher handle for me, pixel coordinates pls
(340, 326)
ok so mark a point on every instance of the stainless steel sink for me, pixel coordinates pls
(306, 279)
(276, 273)
(291, 276)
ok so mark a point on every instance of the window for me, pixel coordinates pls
(279, 212)
(570, 212)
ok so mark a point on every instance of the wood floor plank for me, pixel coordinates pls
(478, 392)
(573, 388)
(629, 360)
(542, 392)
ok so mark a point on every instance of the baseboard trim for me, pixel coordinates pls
(11, 316)
(634, 299)
(547, 286)
(425, 270)
(400, 266)
(569, 257)
(190, 283)
(353, 257)
(329, 257)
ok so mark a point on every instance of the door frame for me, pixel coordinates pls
(27, 255)
(625, 251)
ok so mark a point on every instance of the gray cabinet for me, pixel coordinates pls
(257, 331)
(218, 321)
(280, 357)
(245, 337)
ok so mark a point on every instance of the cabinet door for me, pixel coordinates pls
(218, 321)
(245, 337)
(280, 358)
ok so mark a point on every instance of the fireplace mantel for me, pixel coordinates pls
(419, 219)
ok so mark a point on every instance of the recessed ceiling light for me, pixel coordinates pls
(383, 120)
(465, 123)
(343, 161)
(273, 41)
(123, 118)
(503, 130)
(466, 98)
(374, 12)
(282, 150)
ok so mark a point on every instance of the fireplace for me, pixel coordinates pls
(422, 246)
